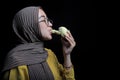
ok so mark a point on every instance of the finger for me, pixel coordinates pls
(65, 41)
(70, 35)
(69, 40)
(72, 38)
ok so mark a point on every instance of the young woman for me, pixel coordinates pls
(30, 60)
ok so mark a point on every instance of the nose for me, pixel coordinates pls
(50, 24)
(50, 28)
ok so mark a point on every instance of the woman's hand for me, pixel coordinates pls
(68, 43)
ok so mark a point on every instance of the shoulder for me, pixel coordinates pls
(49, 50)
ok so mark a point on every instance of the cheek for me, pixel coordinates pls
(43, 31)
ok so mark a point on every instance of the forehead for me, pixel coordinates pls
(41, 13)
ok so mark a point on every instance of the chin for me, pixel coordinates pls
(48, 38)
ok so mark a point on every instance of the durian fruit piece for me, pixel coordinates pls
(56, 32)
(61, 31)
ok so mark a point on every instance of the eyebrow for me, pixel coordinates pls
(42, 16)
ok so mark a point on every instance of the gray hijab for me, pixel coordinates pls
(25, 25)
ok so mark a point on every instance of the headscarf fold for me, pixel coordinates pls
(25, 25)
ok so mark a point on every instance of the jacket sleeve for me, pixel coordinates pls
(66, 74)
(18, 73)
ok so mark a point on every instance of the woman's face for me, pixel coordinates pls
(45, 26)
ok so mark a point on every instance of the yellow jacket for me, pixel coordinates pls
(59, 72)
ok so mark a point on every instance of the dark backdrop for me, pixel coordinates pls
(77, 15)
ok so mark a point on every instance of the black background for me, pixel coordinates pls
(79, 16)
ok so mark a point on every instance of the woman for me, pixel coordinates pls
(30, 60)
